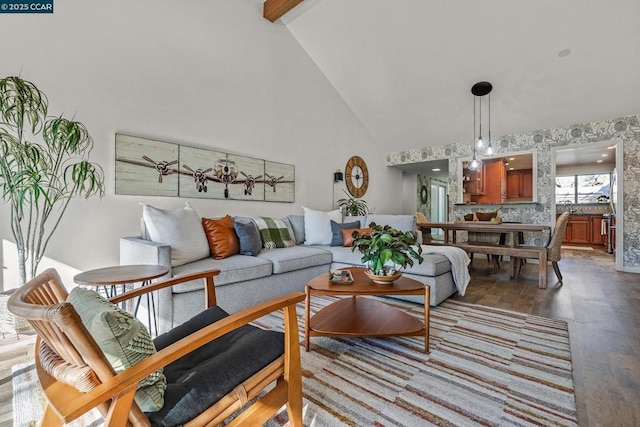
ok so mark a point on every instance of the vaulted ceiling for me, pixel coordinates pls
(406, 67)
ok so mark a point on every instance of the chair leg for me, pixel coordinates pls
(557, 270)
(50, 418)
(517, 267)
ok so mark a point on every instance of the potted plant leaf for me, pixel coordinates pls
(353, 206)
(386, 251)
(44, 163)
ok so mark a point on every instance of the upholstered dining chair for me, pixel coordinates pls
(553, 247)
(212, 365)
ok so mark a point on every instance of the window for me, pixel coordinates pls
(592, 188)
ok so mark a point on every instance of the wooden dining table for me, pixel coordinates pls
(513, 248)
(509, 228)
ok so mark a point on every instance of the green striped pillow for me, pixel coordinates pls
(275, 233)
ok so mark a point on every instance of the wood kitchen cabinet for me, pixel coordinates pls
(584, 229)
(597, 238)
(520, 184)
(474, 180)
(580, 229)
(494, 182)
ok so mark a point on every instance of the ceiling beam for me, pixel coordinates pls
(276, 9)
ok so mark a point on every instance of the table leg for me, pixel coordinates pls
(542, 272)
(427, 307)
(307, 304)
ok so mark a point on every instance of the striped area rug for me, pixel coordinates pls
(487, 367)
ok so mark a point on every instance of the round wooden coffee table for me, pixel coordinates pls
(364, 317)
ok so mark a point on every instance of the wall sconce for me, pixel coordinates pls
(338, 176)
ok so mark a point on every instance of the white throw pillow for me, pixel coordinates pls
(179, 228)
(317, 226)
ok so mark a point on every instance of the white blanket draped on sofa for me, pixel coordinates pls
(459, 263)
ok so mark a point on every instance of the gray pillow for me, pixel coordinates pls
(336, 231)
(297, 224)
(249, 237)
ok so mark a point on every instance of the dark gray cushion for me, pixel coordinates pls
(249, 238)
(201, 378)
(336, 231)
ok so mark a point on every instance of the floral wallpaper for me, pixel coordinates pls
(626, 128)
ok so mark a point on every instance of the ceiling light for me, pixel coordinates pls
(436, 170)
(512, 158)
(613, 147)
(599, 161)
(604, 155)
(511, 169)
(479, 90)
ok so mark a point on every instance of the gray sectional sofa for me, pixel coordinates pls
(247, 280)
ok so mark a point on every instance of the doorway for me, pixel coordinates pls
(439, 205)
(574, 167)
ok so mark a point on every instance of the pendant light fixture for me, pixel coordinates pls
(479, 90)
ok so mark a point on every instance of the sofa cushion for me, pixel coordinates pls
(202, 377)
(432, 266)
(347, 235)
(221, 236)
(236, 268)
(248, 237)
(123, 340)
(297, 225)
(345, 255)
(296, 258)
(179, 228)
(360, 218)
(402, 223)
(275, 233)
(317, 226)
(336, 231)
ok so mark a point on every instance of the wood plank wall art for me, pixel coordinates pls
(155, 168)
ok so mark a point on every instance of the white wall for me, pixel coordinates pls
(409, 197)
(201, 73)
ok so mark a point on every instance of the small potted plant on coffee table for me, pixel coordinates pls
(386, 251)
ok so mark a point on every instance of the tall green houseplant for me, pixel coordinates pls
(44, 163)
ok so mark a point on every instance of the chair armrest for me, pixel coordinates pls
(125, 380)
(206, 275)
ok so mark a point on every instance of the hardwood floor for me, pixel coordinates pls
(601, 306)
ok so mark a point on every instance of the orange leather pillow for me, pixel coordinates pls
(223, 240)
(347, 239)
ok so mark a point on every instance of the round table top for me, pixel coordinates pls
(120, 274)
(362, 284)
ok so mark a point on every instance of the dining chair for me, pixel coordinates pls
(553, 247)
(213, 364)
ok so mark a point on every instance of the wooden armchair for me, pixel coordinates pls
(77, 377)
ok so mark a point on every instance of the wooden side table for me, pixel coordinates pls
(116, 278)
(357, 316)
